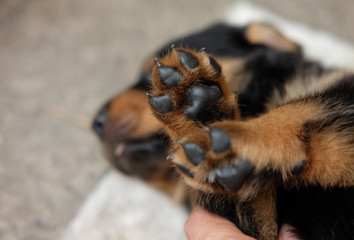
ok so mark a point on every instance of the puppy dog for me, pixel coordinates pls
(261, 135)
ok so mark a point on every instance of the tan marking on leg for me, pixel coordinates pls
(331, 160)
(261, 33)
(235, 75)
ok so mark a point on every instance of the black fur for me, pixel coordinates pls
(221, 40)
(270, 69)
(338, 101)
(317, 213)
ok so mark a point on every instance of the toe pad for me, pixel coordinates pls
(231, 178)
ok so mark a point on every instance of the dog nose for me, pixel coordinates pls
(99, 122)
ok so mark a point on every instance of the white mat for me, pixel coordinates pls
(114, 212)
(122, 208)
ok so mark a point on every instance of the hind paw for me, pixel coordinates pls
(189, 90)
(232, 157)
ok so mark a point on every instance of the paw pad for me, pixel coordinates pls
(194, 153)
(188, 60)
(231, 178)
(170, 77)
(200, 98)
(162, 104)
(220, 141)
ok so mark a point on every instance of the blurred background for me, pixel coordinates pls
(60, 61)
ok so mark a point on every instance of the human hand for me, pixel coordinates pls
(203, 225)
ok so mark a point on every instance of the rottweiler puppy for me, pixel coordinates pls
(261, 135)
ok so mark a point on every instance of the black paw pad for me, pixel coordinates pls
(220, 141)
(184, 170)
(169, 76)
(200, 98)
(194, 153)
(231, 178)
(215, 65)
(162, 104)
(298, 167)
(188, 60)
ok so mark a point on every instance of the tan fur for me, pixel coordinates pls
(132, 112)
(331, 161)
(261, 33)
(235, 75)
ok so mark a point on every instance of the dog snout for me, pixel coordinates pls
(99, 123)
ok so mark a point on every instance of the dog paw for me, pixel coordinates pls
(189, 90)
(230, 157)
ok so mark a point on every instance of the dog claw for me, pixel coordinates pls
(162, 104)
(201, 50)
(170, 156)
(231, 178)
(194, 153)
(157, 62)
(205, 128)
(178, 141)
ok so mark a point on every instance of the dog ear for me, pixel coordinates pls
(266, 34)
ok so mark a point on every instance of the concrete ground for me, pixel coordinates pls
(59, 61)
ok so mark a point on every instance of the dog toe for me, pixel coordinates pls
(231, 178)
(169, 76)
(194, 153)
(162, 104)
(188, 60)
